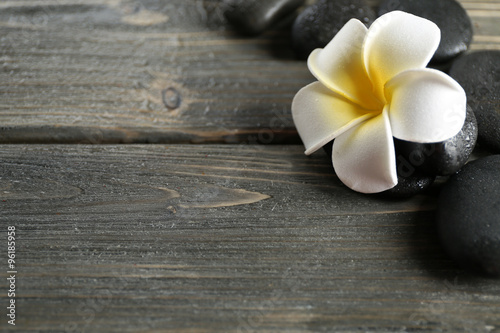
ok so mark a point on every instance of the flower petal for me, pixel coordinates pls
(425, 106)
(364, 157)
(395, 42)
(339, 66)
(320, 115)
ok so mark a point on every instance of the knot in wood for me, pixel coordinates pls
(171, 98)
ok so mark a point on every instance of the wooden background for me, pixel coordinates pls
(211, 219)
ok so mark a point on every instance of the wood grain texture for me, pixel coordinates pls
(116, 71)
(198, 238)
(232, 238)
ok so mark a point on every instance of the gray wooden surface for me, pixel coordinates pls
(221, 239)
(110, 71)
(223, 234)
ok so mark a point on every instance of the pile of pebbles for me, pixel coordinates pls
(468, 215)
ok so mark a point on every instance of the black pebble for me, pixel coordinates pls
(450, 17)
(442, 158)
(479, 74)
(468, 216)
(253, 17)
(319, 23)
(410, 180)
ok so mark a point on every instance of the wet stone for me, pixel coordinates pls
(442, 158)
(449, 16)
(468, 216)
(479, 74)
(410, 182)
(319, 23)
(253, 17)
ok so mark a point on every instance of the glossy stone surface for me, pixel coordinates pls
(442, 158)
(253, 17)
(468, 216)
(449, 15)
(410, 180)
(479, 74)
(319, 23)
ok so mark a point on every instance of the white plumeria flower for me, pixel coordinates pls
(373, 86)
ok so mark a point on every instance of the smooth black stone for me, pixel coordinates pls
(468, 216)
(319, 23)
(479, 74)
(328, 149)
(450, 17)
(410, 181)
(442, 158)
(253, 17)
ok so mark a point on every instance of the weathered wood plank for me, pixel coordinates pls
(223, 239)
(115, 71)
(91, 72)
